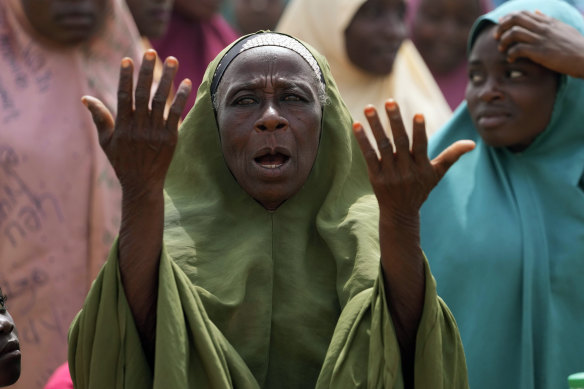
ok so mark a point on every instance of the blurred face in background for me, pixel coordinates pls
(198, 9)
(440, 30)
(9, 347)
(375, 34)
(254, 15)
(151, 16)
(66, 22)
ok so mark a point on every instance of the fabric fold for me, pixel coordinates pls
(249, 297)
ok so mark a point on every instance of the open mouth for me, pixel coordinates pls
(272, 161)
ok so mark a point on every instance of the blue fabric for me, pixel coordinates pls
(577, 3)
(504, 234)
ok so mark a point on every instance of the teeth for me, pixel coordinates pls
(272, 166)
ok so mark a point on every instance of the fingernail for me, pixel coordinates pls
(188, 82)
(357, 127)
(510, 60)
(171, 62)
(84, 101)
(537, 11)
(370, 111)
(150, 55)
(390, 105)
(419, 118)
(126, 63)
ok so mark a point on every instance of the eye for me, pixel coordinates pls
(245, 100)
(475, 77)
(292, 97)
(515, 74)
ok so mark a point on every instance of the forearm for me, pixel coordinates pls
(402, 261)
(140, 244)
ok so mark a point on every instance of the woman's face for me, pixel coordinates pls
(375, 34)
(269, 116)
(9, 347)
(64, 21)
(510, 103)
(151, 16)
(440, 30)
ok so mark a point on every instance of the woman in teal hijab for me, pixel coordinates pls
(266, 271)
(504, 229)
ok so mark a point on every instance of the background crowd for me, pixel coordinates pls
(59, 197)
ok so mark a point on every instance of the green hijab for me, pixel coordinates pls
(251, 298)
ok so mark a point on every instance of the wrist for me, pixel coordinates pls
(144, 196)
(399, 219)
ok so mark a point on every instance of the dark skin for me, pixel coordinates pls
(139, 144)
(65, 22)
(269, 123)
(543, 40)
(402, 178)
(510, 102)
(151, 16)
(375, 34)
(269, 93)
(440, 30)
(9, 347)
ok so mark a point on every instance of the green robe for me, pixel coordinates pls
(251, 298)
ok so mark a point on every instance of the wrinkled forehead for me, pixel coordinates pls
(276, 63)
(269, 47)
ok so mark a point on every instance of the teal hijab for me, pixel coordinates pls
(504, 234)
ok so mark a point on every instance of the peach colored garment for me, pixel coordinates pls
(59, 198)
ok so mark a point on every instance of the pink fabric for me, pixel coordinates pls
(61, 378)
(195, 44)
(59, 198)
(453, 84)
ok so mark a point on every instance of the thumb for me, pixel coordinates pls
(102, 118)
(450, 155)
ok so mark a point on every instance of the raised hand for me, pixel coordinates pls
(402, 179)
(542, 39)
(140, 142)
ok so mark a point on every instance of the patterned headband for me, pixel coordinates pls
(260, 40)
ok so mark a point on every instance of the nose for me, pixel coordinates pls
(6, 325)
(491, 90)
(271, 119)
